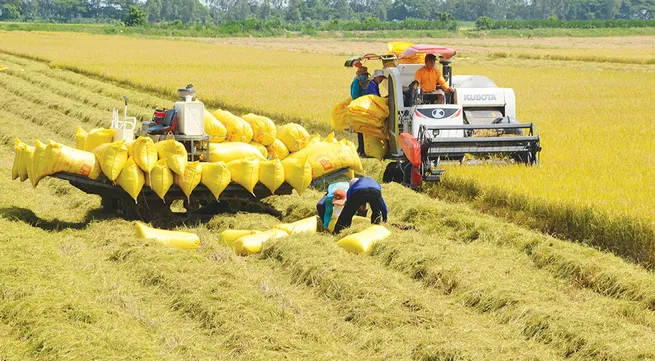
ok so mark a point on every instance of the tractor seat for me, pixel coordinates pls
(169, 124)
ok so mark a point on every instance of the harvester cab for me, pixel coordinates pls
(477, 119)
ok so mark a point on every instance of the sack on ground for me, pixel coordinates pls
(253, 243)
(298, 173)
(160, 179)
(263, 128)
(245, 172)
(337, 117)
(112, 158)
(277, 150)
(238, 130)
(294, 136)
(61, 158)
(174, 153)
(214, 128)
(228, 237)
(191, 178)
(361, 242)
(183, 240)
(98, 137)
(306, 225)
(131, 178)
(216, 177)
(229, 151)
(144, 153)
(271, 174)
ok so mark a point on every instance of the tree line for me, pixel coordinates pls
(366, 14)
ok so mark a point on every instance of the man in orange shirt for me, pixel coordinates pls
(428, 77)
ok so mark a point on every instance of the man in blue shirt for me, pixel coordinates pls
(374, 85)
(358, 89)
(360, 192)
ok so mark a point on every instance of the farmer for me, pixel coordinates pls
(373, 87)
(362, 191)
(357, 89)
(428, 77)
(326, 206)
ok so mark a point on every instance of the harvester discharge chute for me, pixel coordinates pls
(467, 117)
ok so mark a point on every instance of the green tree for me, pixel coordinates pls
(135, 17)
(9, 12)
(484, 23)
(293, 11)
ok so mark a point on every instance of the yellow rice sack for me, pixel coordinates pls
(18, 170)
(298, 173)
(61, 158)
(183, 240)
(216, 177)
(144, 152)
(238, 130)
(357, 161)
(375, 147)
(160, 179)
(368, 114)
(271, 174)
(80, 138)
(357, 220)
(191, 178)
(37, 163)
(253, 243)
(98, 137)
(307, 225)
(294, 136)
(277, 150)
(337, 117)
(228, 237)
(174, 153)
(263, 128)
(229, 151)
(331, 138)
(262, 149)
(131, 178)
(361, 242)
(245, 172)
(214, 128)
(112, 158)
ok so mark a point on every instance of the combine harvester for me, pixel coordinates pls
(477, 119)
(185, 124)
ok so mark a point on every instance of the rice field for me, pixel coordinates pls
(450, 283)
(589, 97)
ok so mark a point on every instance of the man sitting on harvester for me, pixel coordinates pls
(428, 77)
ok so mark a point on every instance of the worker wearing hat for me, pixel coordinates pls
(358, 89)
(374, 85)
(360, 192)
(429, 76)
(326, 205)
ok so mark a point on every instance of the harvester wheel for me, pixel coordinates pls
(399, 172)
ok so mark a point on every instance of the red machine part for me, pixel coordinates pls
(412, 149)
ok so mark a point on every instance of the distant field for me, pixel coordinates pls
(450, 283)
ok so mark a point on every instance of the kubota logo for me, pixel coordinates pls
(479, 97)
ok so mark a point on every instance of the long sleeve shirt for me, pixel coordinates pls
(428, 79)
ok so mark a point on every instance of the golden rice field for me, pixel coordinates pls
(450, 283)
(595, 118)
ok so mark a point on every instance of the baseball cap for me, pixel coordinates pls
(339, 197)
(378, 72)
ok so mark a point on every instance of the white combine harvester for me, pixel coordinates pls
(478, 118)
